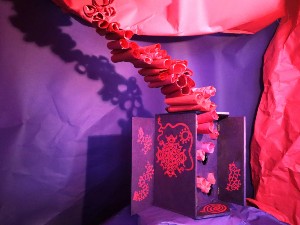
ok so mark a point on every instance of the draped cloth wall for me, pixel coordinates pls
(275, 152)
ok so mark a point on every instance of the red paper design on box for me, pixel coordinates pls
(234, 182)
(145, 140)
(143, 183)
(173, 151)
(214, 208)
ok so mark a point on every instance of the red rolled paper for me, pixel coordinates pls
(150, 71)
(89, 10)
(156, 64)
(190, 82)
(182, 108)
(177, 67)
(126, 56)
(207, 117)
(158, 84)
(205, 91)
(205, 128)
(181, 81)
(98, 16)
(150, 48)
(161, 63)
(116, 35)
(188, 72)
(192, 99)
(118, 44)
(214, 135)
(181, 92)
(161, 77)
(168, 89)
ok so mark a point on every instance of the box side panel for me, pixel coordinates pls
(142, 180)
(231, 160)
(175, 185)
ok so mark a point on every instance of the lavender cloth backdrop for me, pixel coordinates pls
(66, 110)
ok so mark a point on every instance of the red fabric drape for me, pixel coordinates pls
(275, 153)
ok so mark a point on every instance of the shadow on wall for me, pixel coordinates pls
(108, 171)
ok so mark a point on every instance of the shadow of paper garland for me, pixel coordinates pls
(108, 171)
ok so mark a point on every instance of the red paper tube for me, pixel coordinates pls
(207, 147)
(205, 91)
(175, 94)
(149, 48)
(190, 82)
(186, 90)
(116, 35)
(161, 63)
(118, 44)
(185, 100)
(161, 77)
(125, 56)
(113, 27)
(214, 135)
(177, 68)
(161, 83)
(144, 58)
(181, 92)
(98, 16)
(181, 81)
(207, 117)
(205, 128)
(133, 45)
(150, 72)
(188, 72)
(168, 89)
(156, 64)
(182, 108)
(109, 11)
(89, 10)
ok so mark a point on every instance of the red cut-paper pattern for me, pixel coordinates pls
(145, 140)
(143, 183)
(234, 182)
(214, 208)
(173, 151)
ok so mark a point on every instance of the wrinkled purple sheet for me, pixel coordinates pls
(239, 215)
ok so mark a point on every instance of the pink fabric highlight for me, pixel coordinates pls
(200, 155)
(207, 147)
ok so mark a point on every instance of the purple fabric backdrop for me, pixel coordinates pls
(66, 110)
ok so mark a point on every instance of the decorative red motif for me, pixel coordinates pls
(214, 208)
(145, 140)
(234, 182)
(174, 150)
(143, 183)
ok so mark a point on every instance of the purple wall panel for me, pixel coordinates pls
(66, 110)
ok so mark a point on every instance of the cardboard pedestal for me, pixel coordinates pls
(165, 167)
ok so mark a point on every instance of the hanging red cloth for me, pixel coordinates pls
(275, 153)
(193, 17)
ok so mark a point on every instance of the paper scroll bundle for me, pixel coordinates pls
(155, 65)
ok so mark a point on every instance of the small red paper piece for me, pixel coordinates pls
(146, 140)
(234, 182)
(144, 183)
